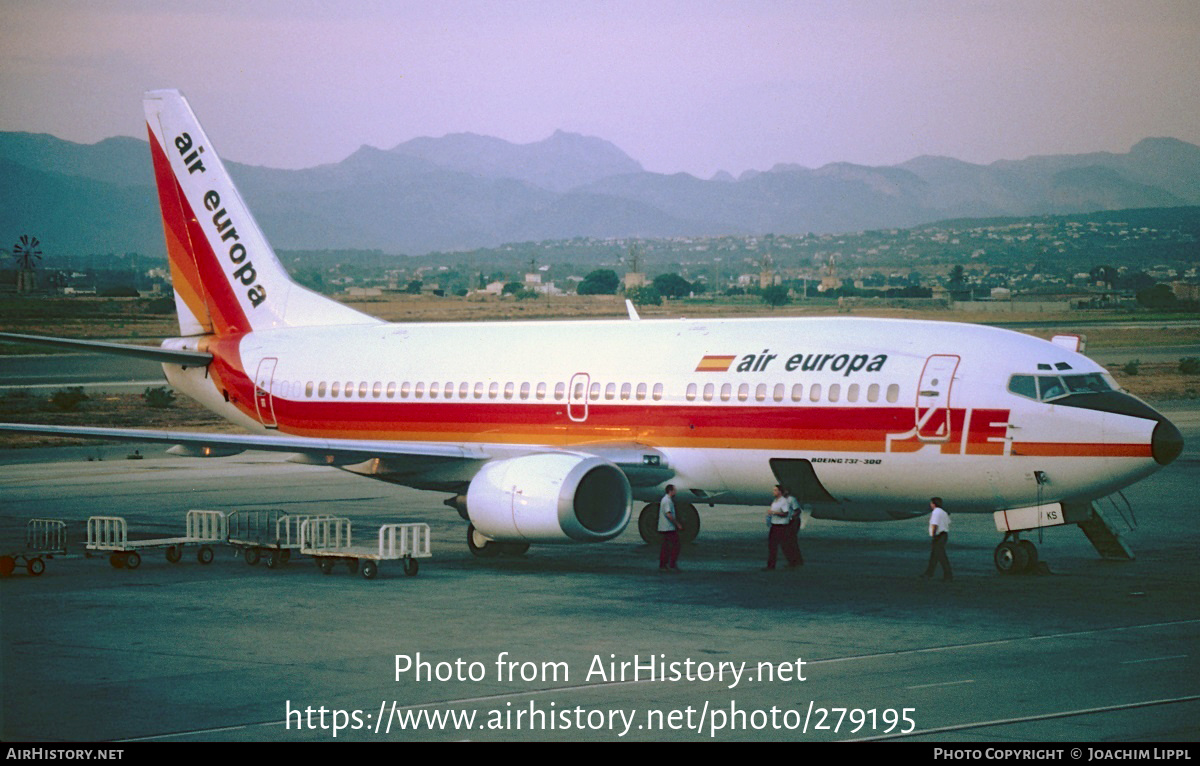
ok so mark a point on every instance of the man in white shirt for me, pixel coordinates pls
(668, 528)
(939, 531)
(779, 531)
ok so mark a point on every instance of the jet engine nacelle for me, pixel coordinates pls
(550, 498)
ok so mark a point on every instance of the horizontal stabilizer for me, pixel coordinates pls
(153, 353)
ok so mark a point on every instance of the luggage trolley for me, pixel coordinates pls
(329, 539)
(44, 539)
(111, 533)
(273, 532)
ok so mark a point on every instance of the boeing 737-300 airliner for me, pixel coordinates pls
(547, 432)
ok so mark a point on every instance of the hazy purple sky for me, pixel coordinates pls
(691, 86)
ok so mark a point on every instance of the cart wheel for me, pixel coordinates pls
(369, 569)
(7, 565)
(252, 556)
(132, 560)
(411, 567)
(352, 565)
(285, 556)
(174, 554)
(204, 555)
(273, 559)
(117, 561)
(35, 567)
(319, 560)
(326, 566)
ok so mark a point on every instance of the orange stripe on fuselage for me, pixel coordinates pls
(823, 429)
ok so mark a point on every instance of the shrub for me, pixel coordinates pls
(1131, 367)
(159, 398)
(1190, 365)
(67, 399)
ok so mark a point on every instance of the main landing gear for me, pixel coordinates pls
(1015, 556)
(485, 548)
(685, 512)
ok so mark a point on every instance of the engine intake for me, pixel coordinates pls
(550, 498)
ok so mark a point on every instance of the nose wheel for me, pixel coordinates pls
(1015, 556)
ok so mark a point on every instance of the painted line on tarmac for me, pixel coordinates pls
(830, 661)
(1030, 718)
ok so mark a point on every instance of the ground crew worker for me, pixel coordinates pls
(778, 530)
(668, 528)
(939, 531)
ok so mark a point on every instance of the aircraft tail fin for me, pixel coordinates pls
(226, 277)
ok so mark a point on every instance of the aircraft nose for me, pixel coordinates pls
(1167, 442)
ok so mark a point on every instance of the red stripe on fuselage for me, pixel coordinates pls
(208, 271)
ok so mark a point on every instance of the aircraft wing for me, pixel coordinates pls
(319, 451)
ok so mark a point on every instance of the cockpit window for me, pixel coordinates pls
(1049, 387)
(1087, 384)
(1023, 385)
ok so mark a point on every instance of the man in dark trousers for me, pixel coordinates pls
(939, 531)
(668, 528)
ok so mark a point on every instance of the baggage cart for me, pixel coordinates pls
(111, 533)
(44, 539)
(329, 540)
(272, 534)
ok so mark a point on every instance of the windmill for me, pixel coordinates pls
(27, 254)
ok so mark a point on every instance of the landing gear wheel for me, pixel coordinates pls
(117, 561)
(273, 559)
(204, 555)
(1010, 557)
(252, 555)
(690, 519)
(480, 545)
(352, 566)
(35, 567)
(7, 565)
(369, 569)
(648, 524)
(174, 553)
(514, 549)
(1031, 553)
(132, 560)
(411, 567)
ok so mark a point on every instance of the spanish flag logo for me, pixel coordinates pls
(715, 363)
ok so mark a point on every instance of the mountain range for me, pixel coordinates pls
(465, 191)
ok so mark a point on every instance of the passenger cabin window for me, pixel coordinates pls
(493, 389)
(873, 392)
(541, 391)
(478, 390)
(835, 392)
(797, 392)
(708, 391)
(524, 390)
(610, 391)
(321, 389)
(508, 390)
(743, 392)
(594, 393)
(852, 393)
(419, 391)
(433, 390)
(308, 389)
(726, 391)
(691, 392)
(641, 391)
(814, 392)
(377, 389)
(626, 392)
(893, 393)
(657, 393)
(779, 389)
(560, 390)
(760, 392)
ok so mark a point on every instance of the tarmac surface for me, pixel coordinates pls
(1091, 651)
